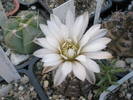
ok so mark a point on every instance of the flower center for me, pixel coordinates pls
(69, 49)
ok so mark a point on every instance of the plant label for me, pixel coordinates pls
(7, 70)
(61, 10)
(98, 10)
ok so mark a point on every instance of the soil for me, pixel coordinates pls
(27, 1)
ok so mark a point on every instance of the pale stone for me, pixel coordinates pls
(46, 83)
(120, 63)
(21, 88)
(129, 96)
(32, 88)
(17, 58)
(5, 90)
(24, 79)
(131, 65)
(129, 60)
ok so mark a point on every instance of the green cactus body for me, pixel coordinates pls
(20, 32)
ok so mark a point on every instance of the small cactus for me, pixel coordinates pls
(20, 32)
(120, 27)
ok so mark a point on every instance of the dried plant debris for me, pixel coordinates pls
(120, 26)
(8, 5)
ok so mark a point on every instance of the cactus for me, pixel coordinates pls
(3, 17)
(20, 32)
(120, 27)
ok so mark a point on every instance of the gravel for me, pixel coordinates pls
(21, 90)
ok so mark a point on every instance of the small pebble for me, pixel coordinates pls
(21, 88)
(34, 94)
(33, 7)
(32, 88)
(131, 65)
(24, 79)
(16, 85)
(55, 97)
(129, 96)
(120, 63)
(46, 83)
(129, 60)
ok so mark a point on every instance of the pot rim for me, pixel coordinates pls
(26, 3)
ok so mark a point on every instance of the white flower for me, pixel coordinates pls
(67, 49)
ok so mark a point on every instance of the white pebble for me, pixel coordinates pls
(24, 79)
(32, 88)
(129, 60)
(46, 83)
(129, 96)
(21, 88)
(16, 85)
(120, 63)
(131, 65)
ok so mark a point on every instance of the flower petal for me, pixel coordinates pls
(62, 72)
(102, 32)
(70, 18)
(79, 71)
(53, 29)
(56, 20)
(53, 42)
(42, 52)
(67, 67)
(51, 57)
(44, 43)
(59, 77)
(90, 76)
(48, 69)
(99, 55)
(51, 60)
(97, 45)
(93, 31)
(44, 29)
(81, 58)
(86, 21)
(77, 28)
(91, 65)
